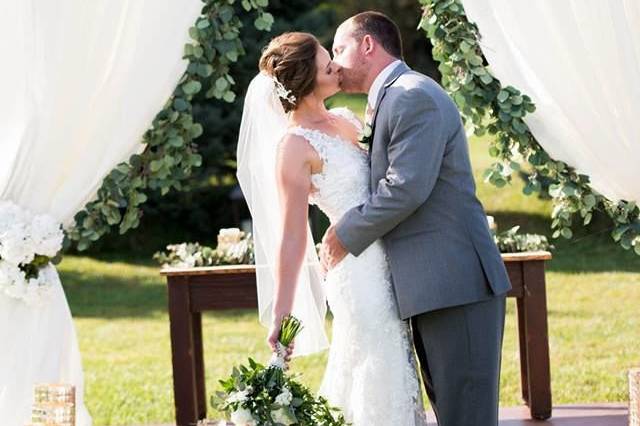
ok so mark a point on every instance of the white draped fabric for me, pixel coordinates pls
(579, 61)
(81, 81)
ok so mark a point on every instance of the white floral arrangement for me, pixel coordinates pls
(234, 248)
(511, 241)
(28, 244)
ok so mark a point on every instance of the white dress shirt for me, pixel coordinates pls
(379, 81)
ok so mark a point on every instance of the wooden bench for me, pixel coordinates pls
(195, 290)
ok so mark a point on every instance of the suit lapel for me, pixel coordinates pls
(395, 74)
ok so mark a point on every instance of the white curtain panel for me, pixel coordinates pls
(579, 61)
(81, 81)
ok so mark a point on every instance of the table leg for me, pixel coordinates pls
(537, 340)
(182, 352)
(199, 364)
(522, 337)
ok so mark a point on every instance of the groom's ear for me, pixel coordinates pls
(367, 44)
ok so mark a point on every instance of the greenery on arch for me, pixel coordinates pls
(171, 154)
(488, 107)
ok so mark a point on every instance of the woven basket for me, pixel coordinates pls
(634, 397)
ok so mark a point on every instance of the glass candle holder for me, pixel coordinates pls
(57, 414)
(54, 393)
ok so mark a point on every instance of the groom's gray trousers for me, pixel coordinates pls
(459, 350)
(448, 275)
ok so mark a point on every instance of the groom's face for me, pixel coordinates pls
(347, 53)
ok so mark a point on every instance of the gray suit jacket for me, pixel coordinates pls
(423, 203)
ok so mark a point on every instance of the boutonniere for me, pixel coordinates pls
(365, 135)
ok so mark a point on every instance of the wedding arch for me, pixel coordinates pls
(525, 116)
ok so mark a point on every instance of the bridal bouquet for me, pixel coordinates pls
(255, 395)
(28, 243)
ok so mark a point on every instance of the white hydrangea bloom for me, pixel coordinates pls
(10, 214)
(243, 417)
(22, 237)
(14, 284)
(10, 274)
(15, 245)
(239, 396)
(283, 416)
(46, 235)
(284, 398)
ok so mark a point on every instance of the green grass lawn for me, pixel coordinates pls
(119, 307)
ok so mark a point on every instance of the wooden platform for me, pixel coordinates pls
(563, 415)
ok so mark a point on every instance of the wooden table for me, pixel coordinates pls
(194, 290)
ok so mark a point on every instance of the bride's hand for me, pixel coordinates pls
(272, 338)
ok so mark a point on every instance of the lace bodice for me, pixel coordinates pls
(343, 182)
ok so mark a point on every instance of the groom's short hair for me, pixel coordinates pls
(381, 28)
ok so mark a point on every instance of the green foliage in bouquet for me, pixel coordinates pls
(511, 242)
(489, 107)
(257, 395)
(171, 153)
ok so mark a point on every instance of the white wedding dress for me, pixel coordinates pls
(371, 372)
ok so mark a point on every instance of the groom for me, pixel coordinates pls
(449, 279)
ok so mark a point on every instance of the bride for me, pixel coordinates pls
(293, 152)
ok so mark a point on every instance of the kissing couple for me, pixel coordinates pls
(408, 267)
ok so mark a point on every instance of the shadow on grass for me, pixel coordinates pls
(130, 258)
(107, 296)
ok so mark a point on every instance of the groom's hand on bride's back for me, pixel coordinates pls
(332, 251)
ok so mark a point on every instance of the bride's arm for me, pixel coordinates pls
(293, 174)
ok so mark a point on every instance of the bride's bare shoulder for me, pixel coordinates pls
(296, 148)
(294, 142)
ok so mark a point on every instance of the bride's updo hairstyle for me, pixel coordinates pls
(291, 59)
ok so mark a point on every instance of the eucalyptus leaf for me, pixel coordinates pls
(191, 87)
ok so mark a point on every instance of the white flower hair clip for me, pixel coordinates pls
(282, 91)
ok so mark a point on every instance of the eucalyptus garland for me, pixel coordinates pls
(488, 107)
(171, 153)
